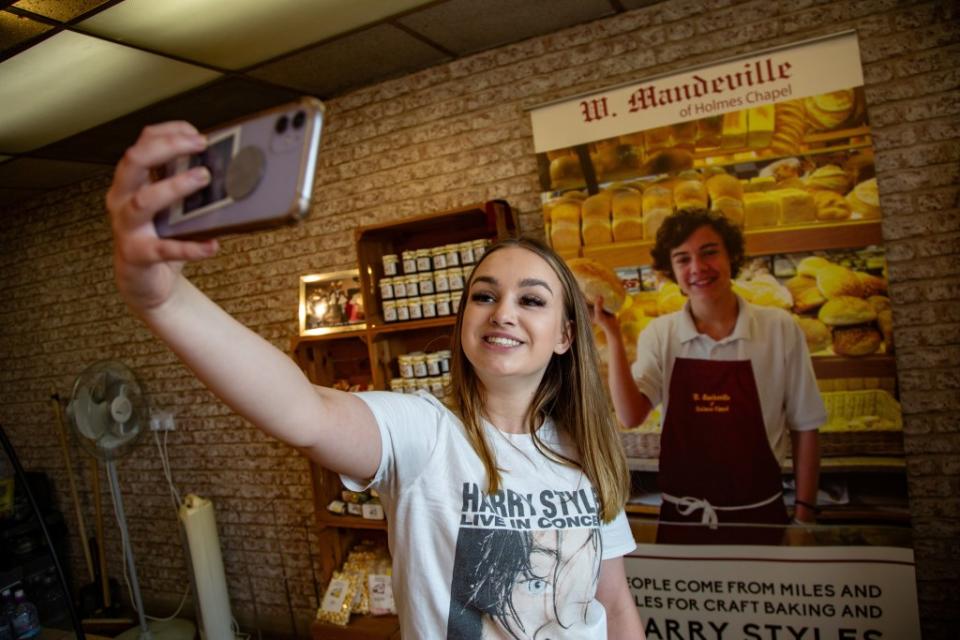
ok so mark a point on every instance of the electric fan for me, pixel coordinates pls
(108, 411)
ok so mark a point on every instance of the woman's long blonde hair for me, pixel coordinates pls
(571, 392)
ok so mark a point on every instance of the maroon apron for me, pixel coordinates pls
(714, 447)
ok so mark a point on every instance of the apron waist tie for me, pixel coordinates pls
(688, 504)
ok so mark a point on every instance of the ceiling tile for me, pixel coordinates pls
(372, 54)
(70, 82)
(206, 107)
(16, 30)
(233, 34)
(33, 173)
(62, 10)
(468, 26)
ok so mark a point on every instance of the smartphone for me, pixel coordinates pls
(261, 174)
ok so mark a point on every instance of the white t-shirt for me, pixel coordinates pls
(767, 337)
(526, 558)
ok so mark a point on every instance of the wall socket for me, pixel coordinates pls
(162, 421)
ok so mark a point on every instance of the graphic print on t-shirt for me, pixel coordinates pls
(526, 564)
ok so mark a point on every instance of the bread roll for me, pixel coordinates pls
(795, 206)
(806, 295)
(596, 279)
(872, 285)
(815, 332)
(596, 231)
(690, 194)
(856, 341)
(626, 203)
(596, 206)
(811, 265)
(760, 210)
(834, 281)
(831, 206)
(723, 185)
(846, 310)
(828, 178)
(565, 236)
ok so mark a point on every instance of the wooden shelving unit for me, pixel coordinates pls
(367, 356)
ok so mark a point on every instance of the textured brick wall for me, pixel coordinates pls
(453, 135)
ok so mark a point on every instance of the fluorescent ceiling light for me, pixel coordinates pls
(71, 82)
(233, 34)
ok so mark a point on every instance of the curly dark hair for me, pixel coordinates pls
(678, 227)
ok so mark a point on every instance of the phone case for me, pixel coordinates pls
(262, 169)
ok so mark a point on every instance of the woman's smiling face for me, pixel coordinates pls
(513, 322)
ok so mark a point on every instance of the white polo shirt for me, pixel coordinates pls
(767, 337)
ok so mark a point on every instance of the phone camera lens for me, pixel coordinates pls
(298, 119)
(281, 124)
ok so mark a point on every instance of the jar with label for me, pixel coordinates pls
(454, 299)
(453, 255)
(444, 360)
(428, 306)
(467, 269)
(409, 262)
(439, 255)
(479, 248)
(414, 308)
(391, 264)
(447, 380)
(412, 284)
(409, 385)
(436, 386)
(425, 282)
(396, 384)
(400, 287)
(405, 364)
(419, 364)
(455, 277)
(466, 252)
(433, 364)
(403, 312)
(423, 260)
(386, 288)
(423, 384)
(389, 311)
(443, 304)
(440, 281)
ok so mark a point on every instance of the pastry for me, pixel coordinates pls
(845, 311)
(829, 178)
(872, 285)
(690, 194)
(831, 205)
(796, 205)
(815, 332)
(856, 341)
(834, 280)
(596, 279)
(811, 265)
(760, 210)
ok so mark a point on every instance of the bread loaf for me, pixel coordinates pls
(760, 210)
(626, 203)
(596, 206)
(657, 197)
(596, 231)
(626, 228)
(834, 280)
(596, 279)
(795, 206)
(690, 194)
(846, 310)
(565, 236)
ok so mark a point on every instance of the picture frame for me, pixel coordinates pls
(331, 303)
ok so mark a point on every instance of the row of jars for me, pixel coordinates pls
(436, 385)
(435, 258)
(441, 281)
(418, 307)
(423, 365)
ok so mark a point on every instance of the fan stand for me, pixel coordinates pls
(176, 629)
